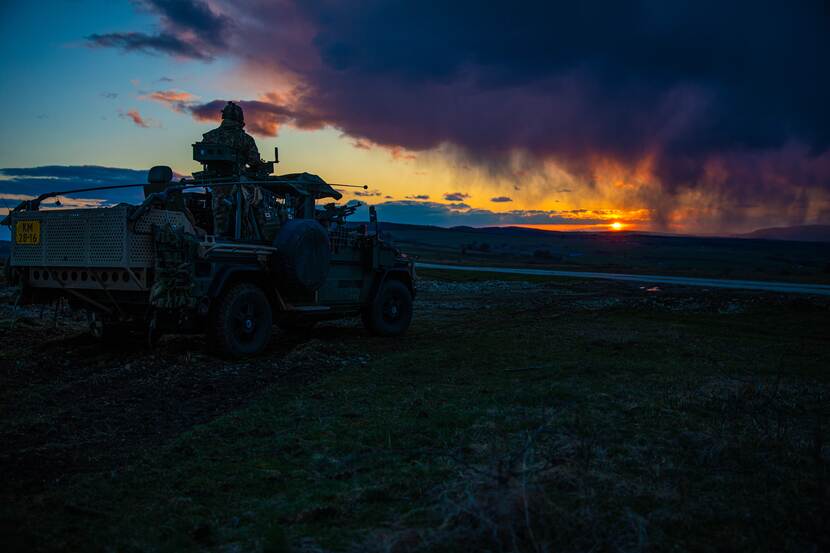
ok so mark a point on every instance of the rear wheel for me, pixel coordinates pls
(390, 312)
(242, 321)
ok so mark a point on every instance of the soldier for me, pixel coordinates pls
(231, 133)
(246, 160)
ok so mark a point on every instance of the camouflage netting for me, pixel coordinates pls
(176, 253)
(257, 203)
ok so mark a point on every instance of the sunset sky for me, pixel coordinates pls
(700, 117)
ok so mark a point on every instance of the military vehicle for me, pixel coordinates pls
(287, 256)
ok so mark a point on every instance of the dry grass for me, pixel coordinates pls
(513, 416)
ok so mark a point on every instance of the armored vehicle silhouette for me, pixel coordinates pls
(284, 256)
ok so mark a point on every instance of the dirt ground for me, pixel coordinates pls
(74, 412)
(73, 403)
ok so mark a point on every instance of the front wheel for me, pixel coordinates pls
(390, 312)
(242, 321)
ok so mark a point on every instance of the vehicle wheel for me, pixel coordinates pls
(242, 321)
(391, 311)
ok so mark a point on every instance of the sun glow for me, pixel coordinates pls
(616, 225)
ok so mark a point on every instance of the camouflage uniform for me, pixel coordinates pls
(231, 133)
(176, 253)
(223, 210)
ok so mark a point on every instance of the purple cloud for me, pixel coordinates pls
(456, 196)
(190, 29)
(163, 43)
(626, 84)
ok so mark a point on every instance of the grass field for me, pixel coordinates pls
(623, 252)
(518, 414)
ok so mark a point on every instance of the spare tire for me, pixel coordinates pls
(303, 254)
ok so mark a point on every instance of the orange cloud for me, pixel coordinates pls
(399, 153)
(136, 118)
(177, 100)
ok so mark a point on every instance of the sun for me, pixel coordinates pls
(616, 225)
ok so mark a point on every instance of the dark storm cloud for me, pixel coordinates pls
(190, 29)
(193, 15)
(553, 78)
(706, 89)
(567, 79)
(163, 43)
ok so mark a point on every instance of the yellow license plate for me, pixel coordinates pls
(27, 232)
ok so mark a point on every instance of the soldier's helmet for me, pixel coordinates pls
(233, 112)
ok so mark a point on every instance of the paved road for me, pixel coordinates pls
(785, 287)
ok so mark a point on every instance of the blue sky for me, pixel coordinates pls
(56, 86)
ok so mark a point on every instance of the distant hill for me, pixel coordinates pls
(801, 233)
(504, 231)
(513, 231)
